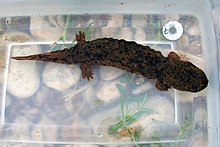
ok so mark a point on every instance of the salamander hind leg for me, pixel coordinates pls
(86, 69)
(160, 85)
(80, 37)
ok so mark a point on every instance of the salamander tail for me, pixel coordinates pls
(60, 56)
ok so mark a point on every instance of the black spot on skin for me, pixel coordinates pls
(99, 46)
(40, 56)
(54, 59)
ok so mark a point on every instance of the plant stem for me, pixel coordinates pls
(63, 37)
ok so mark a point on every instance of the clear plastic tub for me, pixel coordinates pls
(50, 103)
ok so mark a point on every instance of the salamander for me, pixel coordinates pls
(168, 71)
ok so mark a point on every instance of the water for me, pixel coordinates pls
(47, 96)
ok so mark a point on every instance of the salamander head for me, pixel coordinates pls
(185, 76)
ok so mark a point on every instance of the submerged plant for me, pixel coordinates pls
(129, 116)
(186, 129)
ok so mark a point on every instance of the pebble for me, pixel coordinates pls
(199, 141)
(57, 21)
(126, 33)
(89, 93)
(23, 76)
(150, 123)
(140, 34)
(200, 116)
(193, 30)
(110, 73)
(116, 21)
(195, 48)
(183, 42)
(139, 21)
(171, 17)
(42, 29)
(61, 77)
(22, 120)
(45, 120)
(18, 37)
(49, 136)
(36, 134)
(165, 110)
(107, 91)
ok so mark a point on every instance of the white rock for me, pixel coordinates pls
(49, 136)
(17, 37)
(36, 134)
(108, 32)
(139, 21)
(140, 34)
(110, 73)
(195, 48)
(22, 120)
(200, 115)
(45, 120)
(89, 93)
(126, 33)
(42, 29)
(165, 113)
(199, 140)
(184, 41)
(23, 77)
(107, 91)
(57, 21)
(61, 77)
(116, 21)
(193, 30)
(171, 17)
(163, 107)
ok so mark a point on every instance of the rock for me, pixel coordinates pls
(115, 21)
(126, 33)
(199, 140)
(15, 37)
(193, 30)
(195, 48)
(23, 76)
(150, 122)
(108, 73)
(61, 77)
(139, 21)
(42, 29)
(57, 21)
(183, 42)
(140, 34)
(107, 91)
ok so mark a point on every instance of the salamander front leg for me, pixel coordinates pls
(160, 85)
(80, 37)
(86, 69)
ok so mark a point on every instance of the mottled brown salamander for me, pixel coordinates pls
(129, 56)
